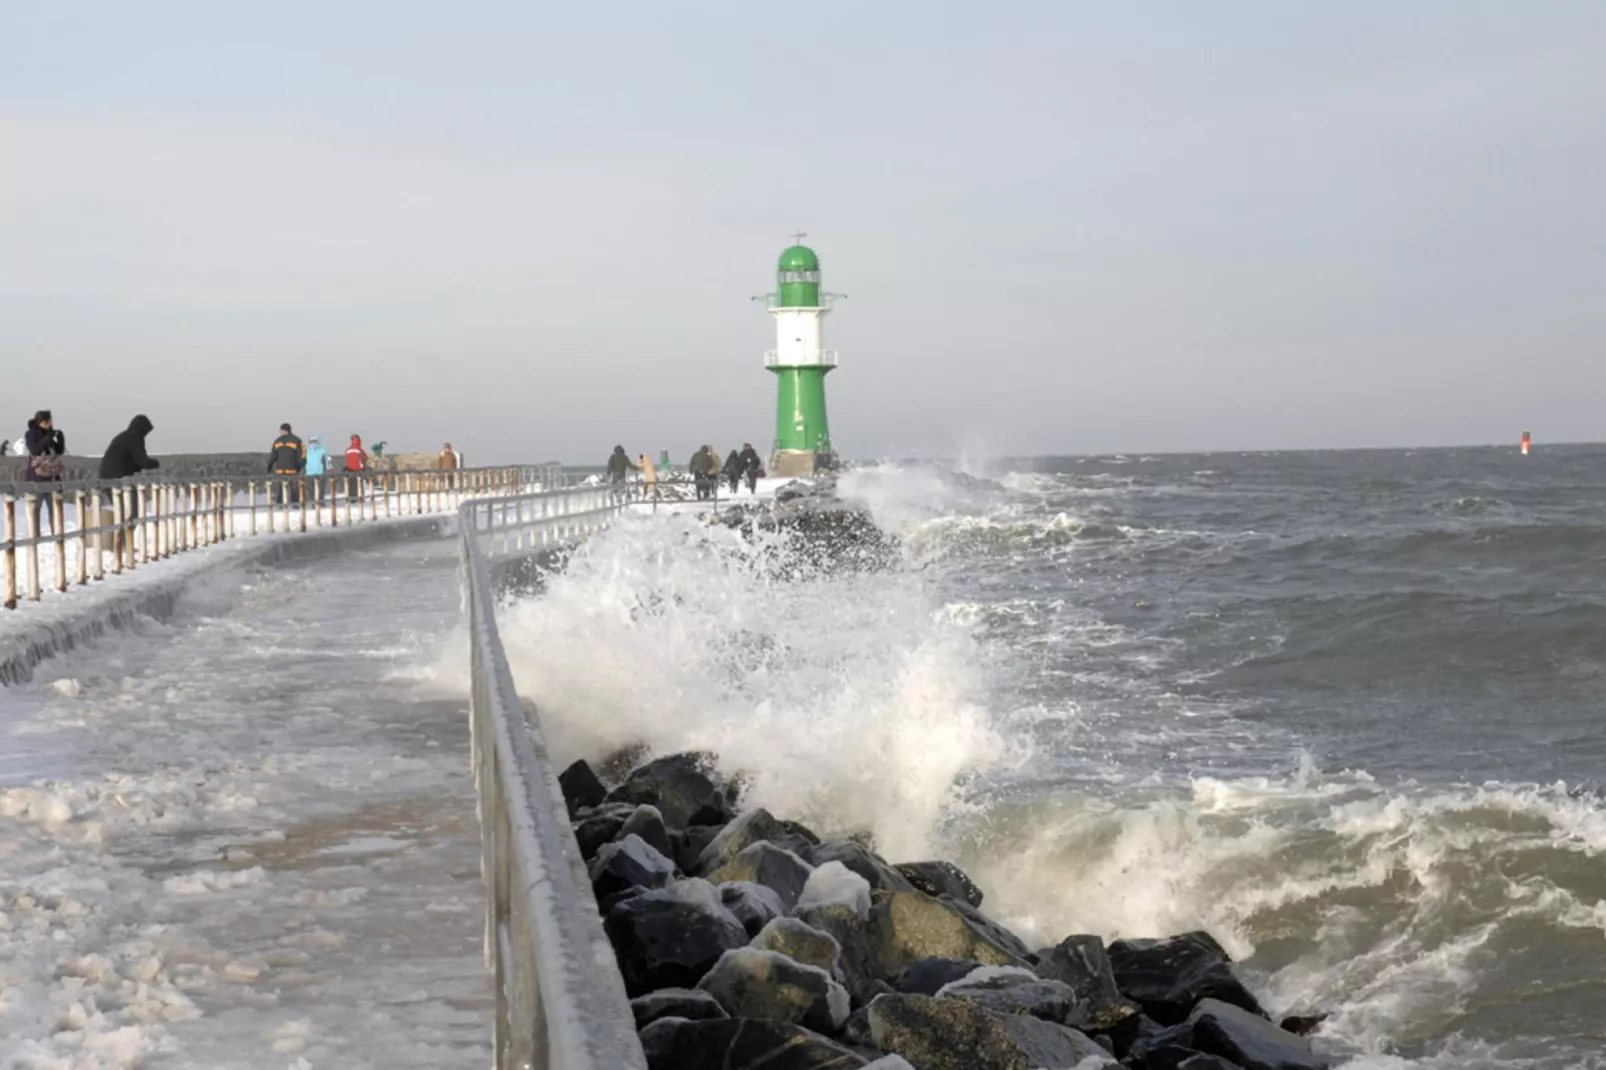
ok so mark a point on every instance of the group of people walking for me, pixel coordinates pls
(744, 465)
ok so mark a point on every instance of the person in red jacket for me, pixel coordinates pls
(356, 461)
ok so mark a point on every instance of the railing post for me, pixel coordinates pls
(302, 494)
(83, 539)
(10, 533)
(30, 508)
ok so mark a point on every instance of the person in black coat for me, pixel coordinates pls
(752, 465)
(126, 456)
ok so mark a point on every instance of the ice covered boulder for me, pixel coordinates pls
(801, 942)
(754, 905)
(1012, 990)
(648, 823)
(629, 863)
(600, 825)
(752, 983)
(743, 832)
(952, 1034)
(833, 884)
(741, 1044)
(689, 1003)
(671, 937)
(764, 863)
(880, 874)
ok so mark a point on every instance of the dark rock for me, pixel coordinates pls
(679, 788)
(910, 926)
(741, 1044)
(1159, 1047)
(1249, 1040)
(801, 942)
(926, 977)
(854, 933)
(941, 878)
(750, 983)
(670, 938)
(764, 863)
(1206, 1062)
(600, 826)
(689, 1003)
(950, 1034)
(750, 828)
(856, 1030)
(861, 860)
(581, 788)
(629, 863)
(648, 823)
(754, 905)
(1302, 1025)
(1168, 977)
(1008, 991)
(690, 843)
(800, 831)
(1082, 963)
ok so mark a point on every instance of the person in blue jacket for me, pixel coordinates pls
(317, 457)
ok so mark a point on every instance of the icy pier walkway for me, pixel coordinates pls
(246, 837)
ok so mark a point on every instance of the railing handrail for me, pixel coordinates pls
(152, 517)
(561, 1003)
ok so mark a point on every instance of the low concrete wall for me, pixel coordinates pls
(21, 653)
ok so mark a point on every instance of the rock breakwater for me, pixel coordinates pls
(818, 529)
(748, 941)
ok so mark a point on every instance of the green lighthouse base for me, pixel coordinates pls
(800, 464)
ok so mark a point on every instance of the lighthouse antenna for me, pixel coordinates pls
(798, 236)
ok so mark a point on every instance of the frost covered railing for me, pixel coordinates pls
(560, 1002)
(118, 525)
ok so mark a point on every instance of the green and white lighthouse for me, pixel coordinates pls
(800, 362)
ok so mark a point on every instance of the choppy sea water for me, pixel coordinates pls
(1341, 709)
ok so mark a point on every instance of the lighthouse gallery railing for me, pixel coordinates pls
(560, 1002)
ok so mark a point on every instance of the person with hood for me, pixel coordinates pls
(46, 447)
(702, 468)
(619, 465)
(448, 458)
(356, 461)
(733, 471)
(317, 457)
(125, 456)
(287, 458)
(752, 465)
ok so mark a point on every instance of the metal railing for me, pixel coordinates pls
(143, 520)
(560, 1002)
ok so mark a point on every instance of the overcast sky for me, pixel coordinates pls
(1062, 226)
